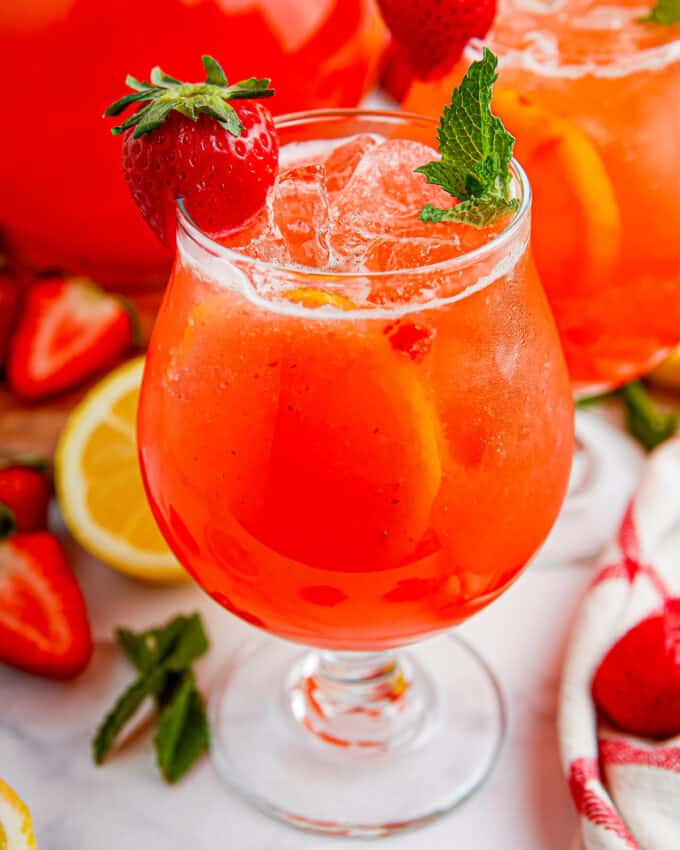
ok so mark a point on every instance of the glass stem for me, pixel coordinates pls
(366, 700)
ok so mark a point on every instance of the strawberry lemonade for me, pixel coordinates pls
(591, 92)
(355, 428)
(355, 425)
(606, 83)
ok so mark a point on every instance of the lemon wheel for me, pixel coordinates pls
(16, 826)
(99, 484)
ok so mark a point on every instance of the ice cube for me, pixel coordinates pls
(343, 160)
(376, 215)
(383, 198)
(259, 238)
(385, 188)
(391, 253)
(301, 214)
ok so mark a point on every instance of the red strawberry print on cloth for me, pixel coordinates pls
(620, 701)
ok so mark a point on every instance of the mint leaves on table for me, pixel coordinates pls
(476, 150)
(182, 735)
(163, 658)
(645, 421)
(665, 12)
(592, 400)
(644, 418)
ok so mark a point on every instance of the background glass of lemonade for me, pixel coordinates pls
(606, 87)
(356, 460)
(591, 93)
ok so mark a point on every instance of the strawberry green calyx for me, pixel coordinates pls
(165, 94)
(7, 523)
(136, 330)
(40, 464)
(665, 12)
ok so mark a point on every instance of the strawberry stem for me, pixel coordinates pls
(135, 321)
(166, 94)
(40, 464)
(7, 522)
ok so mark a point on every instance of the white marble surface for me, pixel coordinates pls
(45, 729)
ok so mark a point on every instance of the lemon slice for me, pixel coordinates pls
(99, 484)
(312, 298)
(576, 231)
(16, 826)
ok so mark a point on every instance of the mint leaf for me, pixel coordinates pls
(137, 648)
(189, 644)
(480, 212)
(165, 639)
(122, 712)
(592, 400)
(163, 658)
(645, 421)
(666, 12)
(476, 150)
(183, 734)
(174, 646)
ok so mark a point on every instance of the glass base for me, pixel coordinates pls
(356, 744)
(605, 474)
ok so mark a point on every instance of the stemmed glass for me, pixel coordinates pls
(356, 481)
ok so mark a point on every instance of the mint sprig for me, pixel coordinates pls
(165, 94)
(665, 12)
(644, 419)
(163, 657)
(183, 734)
(476, 150)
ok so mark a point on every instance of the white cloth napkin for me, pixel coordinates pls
(626, 789)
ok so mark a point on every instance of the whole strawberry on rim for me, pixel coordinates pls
(205, 143)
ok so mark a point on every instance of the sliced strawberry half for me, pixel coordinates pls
(44, 627)
(69, 330)
(9, 303)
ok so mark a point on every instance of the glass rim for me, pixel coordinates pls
(651, 58)
(468, 258)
